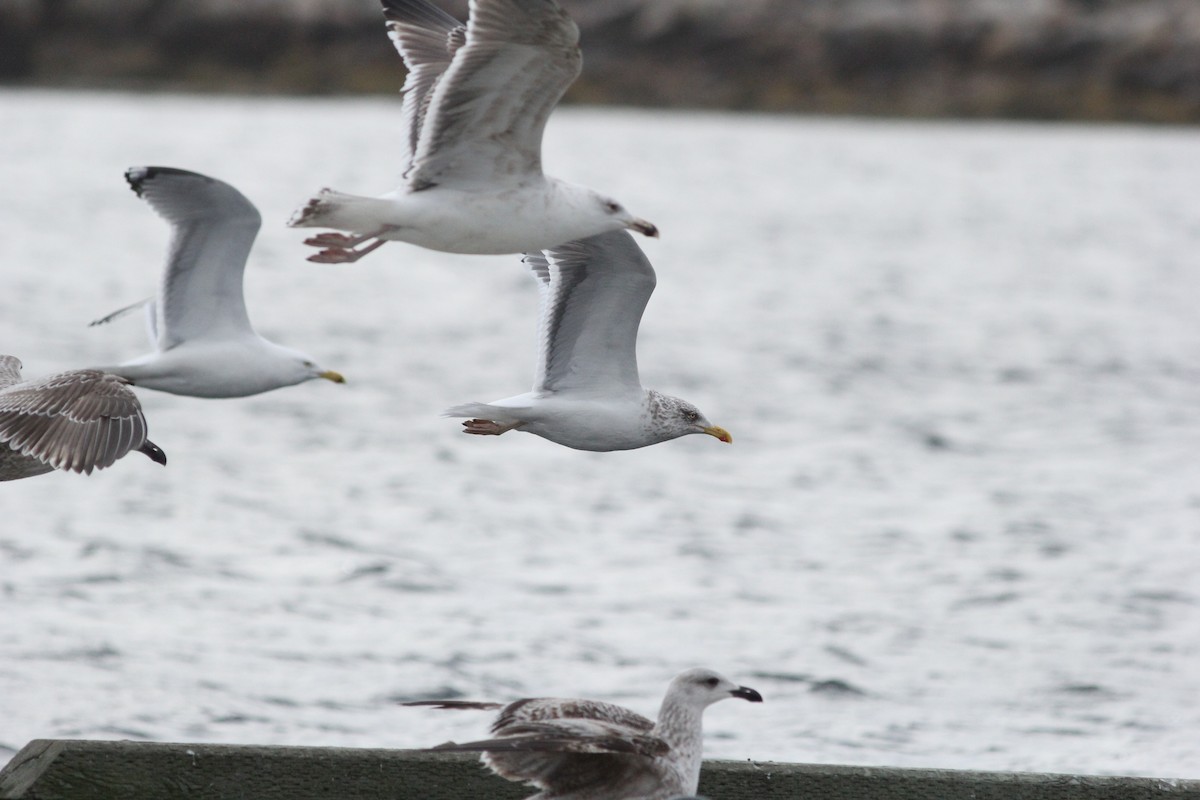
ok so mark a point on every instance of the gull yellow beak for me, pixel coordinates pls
(720, 433)
(330, 375)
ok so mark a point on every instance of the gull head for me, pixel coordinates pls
(671, 417)
(296, 367)
(700, 688)
(620, 218)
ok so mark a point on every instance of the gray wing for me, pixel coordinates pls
(567, 736)
(484, 119)
(569, 745)
(79, 420)
(426, 39)
(594, 291)
(213, 228)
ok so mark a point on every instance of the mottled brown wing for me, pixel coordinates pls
(79, 420)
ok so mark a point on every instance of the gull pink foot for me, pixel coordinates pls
(344, 255)
(334, 256)
(339, 240)
(486, 427)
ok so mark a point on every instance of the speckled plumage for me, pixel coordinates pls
(586, 392)
(79, 421)
(575, 749)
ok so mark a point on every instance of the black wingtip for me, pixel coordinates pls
(153, 452)
(454, 704)
(136, 176)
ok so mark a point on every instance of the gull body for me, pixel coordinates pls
(204, 343)
(476, 101)
(575, 749)
(587, 394)
(78, 421)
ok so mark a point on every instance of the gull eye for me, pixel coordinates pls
(691, 415)
(612, 207)
(711, 683)
(309, 364)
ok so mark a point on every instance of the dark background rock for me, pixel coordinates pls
(1047, 59)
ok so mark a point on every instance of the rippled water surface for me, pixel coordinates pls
(959, 525)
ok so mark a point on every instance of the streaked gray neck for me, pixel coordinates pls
(680, 726)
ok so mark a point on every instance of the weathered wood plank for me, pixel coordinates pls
(47, 769)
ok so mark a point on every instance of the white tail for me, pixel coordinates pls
(480, 410)
(330, 208)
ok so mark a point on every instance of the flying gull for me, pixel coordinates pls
(79, 421)
(476, 101)
(204, 343)
(586, 392)
(589, 750)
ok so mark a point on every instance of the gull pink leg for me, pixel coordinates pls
(345, 255)
(486, 427)
(339, 240)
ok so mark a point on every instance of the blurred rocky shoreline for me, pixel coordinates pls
(1133, 60)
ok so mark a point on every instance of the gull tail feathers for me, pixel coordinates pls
(482, 410)
(330, 208)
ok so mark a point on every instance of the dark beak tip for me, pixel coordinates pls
(746, 693)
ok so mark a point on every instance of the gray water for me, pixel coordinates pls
(959, 525)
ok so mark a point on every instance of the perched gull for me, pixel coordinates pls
(204, 343)
(586, 393)
(476, 101)
(588, 750)
(79, 421)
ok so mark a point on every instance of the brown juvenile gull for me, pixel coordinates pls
(79, 420)
(588, 750)
(586, 391)
(476, 101)
(204, 343)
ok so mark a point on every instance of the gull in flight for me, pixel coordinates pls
(78, 421)
(476, 101)
(204, 343)
(588, 750)
(586, 391)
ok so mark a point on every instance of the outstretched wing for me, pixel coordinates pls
(483, 119)
(213, 228)
(79, 420)
(594, 291)
(426, 38)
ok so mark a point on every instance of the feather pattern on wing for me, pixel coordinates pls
(482, 116)
(426, 39)
(569, 744)
(79, 420)
(593, 294)
(213, 228)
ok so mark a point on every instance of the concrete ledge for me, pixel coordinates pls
(50, 769)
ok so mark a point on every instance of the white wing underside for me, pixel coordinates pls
(213, 229)
(477, 109)
(593, 293)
